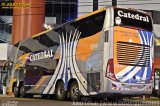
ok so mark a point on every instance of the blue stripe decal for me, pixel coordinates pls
(66, 78)
(149, 36)
(146, 36)
(140, 33)
(129, 71)
(140, 72)
(62, 73)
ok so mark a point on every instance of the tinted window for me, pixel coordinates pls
(46, 41)
(33, 73)
(25, 49)
(90, 25)
(87, 26)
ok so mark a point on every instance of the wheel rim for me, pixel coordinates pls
(22, 90)
(75, 91)
(60, 91)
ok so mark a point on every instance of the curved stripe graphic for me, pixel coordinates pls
(124, 71)
(76, 69)
(145, 42)
(141, 36)
(145, 74)
(68, 68)
(131, 74)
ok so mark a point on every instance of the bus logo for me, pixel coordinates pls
(41, 55)
(133, 16)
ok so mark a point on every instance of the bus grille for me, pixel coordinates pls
(133, 54)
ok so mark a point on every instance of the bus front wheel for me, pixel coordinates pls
(60, 91)
(74, 91)
(22, 91)
(16, 91)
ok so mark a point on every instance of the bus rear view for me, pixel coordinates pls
(129, 67)
(106, 52)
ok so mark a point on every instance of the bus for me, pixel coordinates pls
(102, 54)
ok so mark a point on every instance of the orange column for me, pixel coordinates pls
(28, 21)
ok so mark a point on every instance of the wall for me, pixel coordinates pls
(5, 50)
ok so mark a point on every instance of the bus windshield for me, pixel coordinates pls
(132, 19)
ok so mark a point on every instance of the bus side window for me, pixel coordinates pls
(106, 36)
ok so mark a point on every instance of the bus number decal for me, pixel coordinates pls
(94, 46)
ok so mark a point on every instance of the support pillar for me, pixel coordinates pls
(28, 21)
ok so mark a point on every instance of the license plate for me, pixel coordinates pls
(134, 87)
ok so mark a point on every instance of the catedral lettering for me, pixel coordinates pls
(133, 16)
(41, 55)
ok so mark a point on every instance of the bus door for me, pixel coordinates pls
(20, 75)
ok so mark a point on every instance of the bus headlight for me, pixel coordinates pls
(118, 20)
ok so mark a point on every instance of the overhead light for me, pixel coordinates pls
(47, 26)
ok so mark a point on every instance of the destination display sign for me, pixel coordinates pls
(132, 18)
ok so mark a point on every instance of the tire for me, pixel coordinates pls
(22, 91)
(114, 99)
(16, 91)
(44, 96)
(29, 95)
(97, 99)
(74, 91)
(60, 91)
